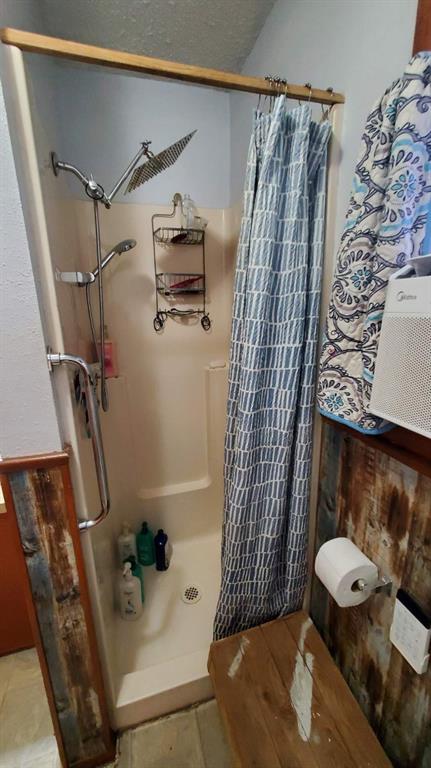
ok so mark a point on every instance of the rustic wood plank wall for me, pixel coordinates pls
(41, 494)
(383, 506)
(422, 39)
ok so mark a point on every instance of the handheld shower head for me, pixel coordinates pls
(125, 245)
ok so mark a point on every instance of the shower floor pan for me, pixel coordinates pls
(162, 657)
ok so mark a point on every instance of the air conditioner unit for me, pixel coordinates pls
(402, 380)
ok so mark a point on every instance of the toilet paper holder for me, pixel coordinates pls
(348, 574)
(383, 584)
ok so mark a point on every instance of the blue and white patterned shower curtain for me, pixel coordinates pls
(272, 370)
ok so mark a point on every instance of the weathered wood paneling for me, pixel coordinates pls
(385, 508)
(49, 536)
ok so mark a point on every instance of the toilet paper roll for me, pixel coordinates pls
(343, 569)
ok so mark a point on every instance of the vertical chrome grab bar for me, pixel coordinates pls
(95, 431)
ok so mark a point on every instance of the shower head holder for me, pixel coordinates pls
(75, 278)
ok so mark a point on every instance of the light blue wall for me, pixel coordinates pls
(357, 46)
(104, 115)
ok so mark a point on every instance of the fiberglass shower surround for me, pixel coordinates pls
(164, 433)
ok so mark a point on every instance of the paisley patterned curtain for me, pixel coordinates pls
(272, 370)
(386, 225)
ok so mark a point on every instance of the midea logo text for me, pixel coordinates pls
(401, 296)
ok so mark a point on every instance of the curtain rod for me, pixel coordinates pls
(106, 57)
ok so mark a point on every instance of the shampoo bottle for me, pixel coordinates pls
(126, 543)
(145, 546)
(129, 595)
(160, 542)
(137, 571)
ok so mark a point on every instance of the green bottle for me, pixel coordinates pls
(145, 546)
(136, 571)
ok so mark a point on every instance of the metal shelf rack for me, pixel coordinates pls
(170, 285)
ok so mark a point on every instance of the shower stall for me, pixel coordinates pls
(162, 435)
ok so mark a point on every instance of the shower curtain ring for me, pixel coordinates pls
(325, 112)
(310, 91)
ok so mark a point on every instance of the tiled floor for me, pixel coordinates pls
(26, 733)
(193, 738)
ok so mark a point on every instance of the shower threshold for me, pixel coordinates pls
(162, 657)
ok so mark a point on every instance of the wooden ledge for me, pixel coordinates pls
(407, 447)
(284, 702)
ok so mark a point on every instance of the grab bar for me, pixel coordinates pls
(95, 431)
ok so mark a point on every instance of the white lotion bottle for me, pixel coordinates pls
(126, 543)
(130, 597)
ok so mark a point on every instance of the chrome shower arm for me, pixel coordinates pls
(60, 165)
(92, 189)
(144, 150)
(95, 431)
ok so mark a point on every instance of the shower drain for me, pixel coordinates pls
(191, 594)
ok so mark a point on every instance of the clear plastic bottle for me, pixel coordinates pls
(188, 213)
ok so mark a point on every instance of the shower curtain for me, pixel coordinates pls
(272, 370)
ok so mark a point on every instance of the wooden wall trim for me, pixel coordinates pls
(107, 57)
(31, 610)
(406, 447)
(59, 606)
(39, 461)
(422, 38)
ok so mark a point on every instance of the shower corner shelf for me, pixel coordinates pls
(179, 283)
(170, 285)
(178, 236)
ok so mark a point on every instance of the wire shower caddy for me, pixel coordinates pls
(173, 284)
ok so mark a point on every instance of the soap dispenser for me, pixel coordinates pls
(129, 595)
(137, 571)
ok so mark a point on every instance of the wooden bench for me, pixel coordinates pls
(284, 702)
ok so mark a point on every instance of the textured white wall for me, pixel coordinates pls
(359, 48)
(28, 422)
(219, 35)
(104, 115)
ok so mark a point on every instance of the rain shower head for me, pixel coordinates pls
(125, 245)
(157, 163)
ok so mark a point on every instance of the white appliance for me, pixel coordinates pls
(402, 381)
